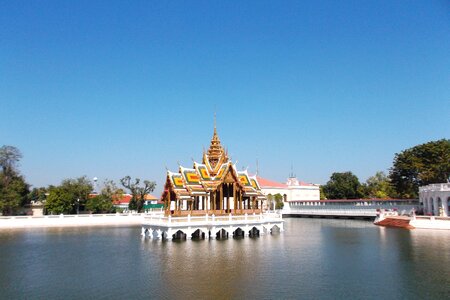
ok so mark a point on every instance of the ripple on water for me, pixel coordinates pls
(313, 258)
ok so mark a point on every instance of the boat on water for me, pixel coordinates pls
(393, 219)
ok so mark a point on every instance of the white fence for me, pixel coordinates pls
(211, 220)
(71, 220)
(344, 210)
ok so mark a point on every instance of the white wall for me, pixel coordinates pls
(295, 192)
(430, 195)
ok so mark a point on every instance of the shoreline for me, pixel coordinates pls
(55, 221)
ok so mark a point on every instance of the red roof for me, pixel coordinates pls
(124, 200)
(127, 197)
(266, 183)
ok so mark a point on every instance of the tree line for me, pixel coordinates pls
(414, 167)
(420, 165)
(70, 197)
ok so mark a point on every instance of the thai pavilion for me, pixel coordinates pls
(213, 187)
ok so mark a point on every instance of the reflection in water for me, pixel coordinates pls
(428, 260)
(313, 258)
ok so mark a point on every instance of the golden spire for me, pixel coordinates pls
(215, 154)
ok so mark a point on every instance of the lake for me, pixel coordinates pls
(312, 259)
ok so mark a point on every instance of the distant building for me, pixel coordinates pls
(292, 190)
(435, 199)
(150, 202)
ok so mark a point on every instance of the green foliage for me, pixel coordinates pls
(60, 201)
(110, 190)
(322, 193)
(38, 194)
(137, 192)
(13, 188)
(103, 203)
(68, 197)
(343, 186)
(133, 204)
(100, 204)
(13, 193)
(379, 186)
(420, 165)
(279, 204)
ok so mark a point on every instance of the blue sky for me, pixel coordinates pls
(115, 88)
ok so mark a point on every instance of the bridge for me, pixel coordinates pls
(349, 209)
(210, 227)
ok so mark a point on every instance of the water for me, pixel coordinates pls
(312, 259)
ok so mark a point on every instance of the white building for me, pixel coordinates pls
(435, 199)
(292, 190)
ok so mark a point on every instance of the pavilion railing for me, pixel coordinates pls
(212, 219)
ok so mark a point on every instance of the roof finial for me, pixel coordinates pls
(215, 131)
(292, 170)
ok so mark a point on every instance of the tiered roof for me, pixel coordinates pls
(209, 175)
(216, 155)
(196, 181)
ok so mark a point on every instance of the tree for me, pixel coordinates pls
(137, 192)
(13, 193)
(38, 194)
(103, 203)
(111, 190)
(100, 204)
(69, 197)
(420, 165)
(9, 159)
(379, 186)
(13, 188)
(322, 193)
(343, 186)
(278, 201)
(60, 201)
(269, 201)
